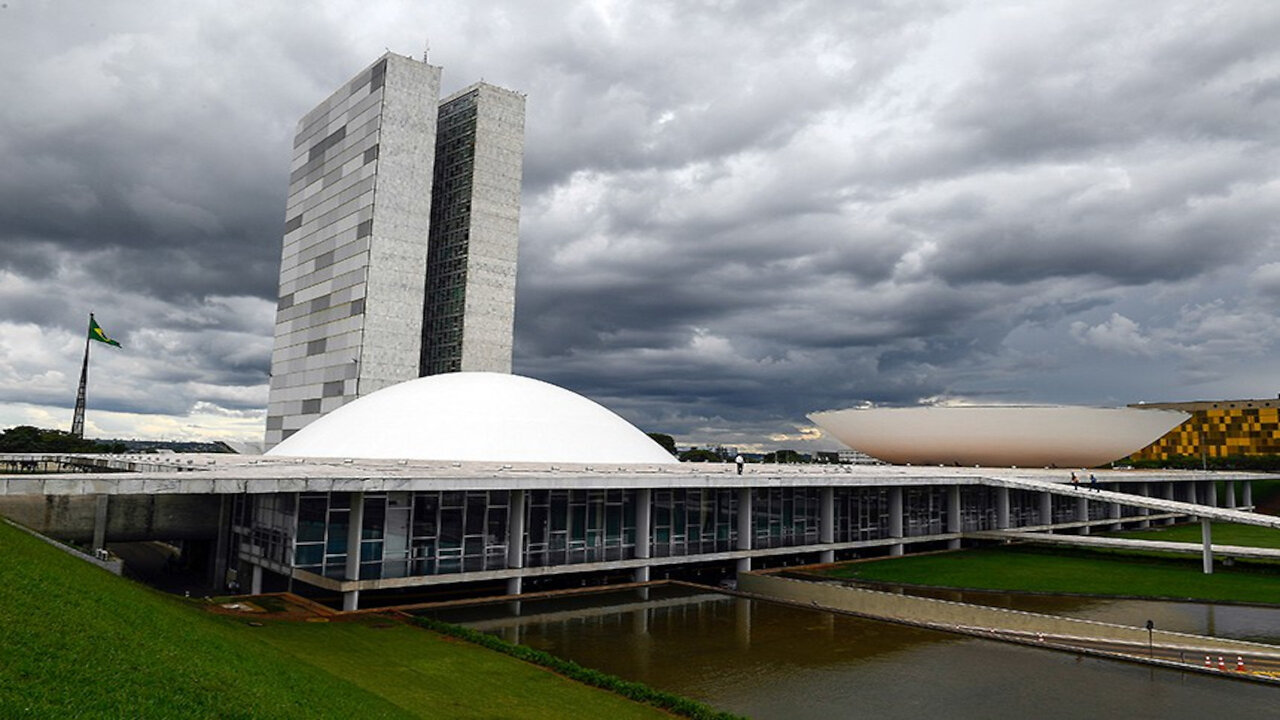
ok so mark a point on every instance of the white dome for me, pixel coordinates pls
(999, 436)
(475, 416)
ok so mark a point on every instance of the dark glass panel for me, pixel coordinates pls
(337, 541)
(308, 555)
(312, 511)
(450, 527)
(425, 506)
(375, 518)
(475, 513)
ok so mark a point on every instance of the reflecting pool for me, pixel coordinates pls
(774, 661)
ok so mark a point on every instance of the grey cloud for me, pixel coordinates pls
(734, 213)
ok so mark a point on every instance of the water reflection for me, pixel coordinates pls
(773, 661)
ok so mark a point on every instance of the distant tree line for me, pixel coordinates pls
(667, 442)
(28, 439)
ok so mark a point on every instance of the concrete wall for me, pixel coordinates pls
(70, 518)
(941, 613)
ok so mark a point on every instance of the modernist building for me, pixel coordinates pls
(1218, 429)
(489, 483)
(400, 239)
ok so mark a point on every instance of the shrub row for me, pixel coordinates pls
(638, 692)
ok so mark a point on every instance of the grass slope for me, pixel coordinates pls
(420, 670)
(1062, 571)
(79, 642)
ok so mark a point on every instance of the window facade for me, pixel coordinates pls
(565, 527)
(692, 522)
(422, 533)
(784, 517)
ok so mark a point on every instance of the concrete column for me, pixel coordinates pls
(644, 530)
(1082, 514)
(895, 519)
(1169, 494)
(1206, 537)
(1002, 508)
(255, 580)
(100, 522)
(827, 523)
(515, 540)
(1230, 486)
(953, 515)
(1113, 509)
(746, 527)
(355, 531)
(1145, 491)
(515, 530)
(1247, 496)
(644, 523)
(1210, 493)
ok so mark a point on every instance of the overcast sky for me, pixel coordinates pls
(732, 214)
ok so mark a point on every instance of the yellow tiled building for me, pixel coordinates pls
(1218, 429)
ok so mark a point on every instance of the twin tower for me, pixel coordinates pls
(400, 240)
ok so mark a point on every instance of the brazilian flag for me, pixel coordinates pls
(96, 333)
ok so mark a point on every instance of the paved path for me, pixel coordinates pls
(1265, 665)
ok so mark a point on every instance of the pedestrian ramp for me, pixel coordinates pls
(1236, 551)
(1209, 512)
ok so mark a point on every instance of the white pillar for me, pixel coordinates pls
(1247, 497)
(953, 515)
(1145, 491)
(1231, 493)
(644, 531)
(1206, 537)
(1002, 508)
(1082, 514)
(1210, 493)
(515, 540)
(355, 532)
(895, 519)
(255, 580)
(827, 523)
(1046, 508)
(1170, 493)
(1113, 509)
(746, 527)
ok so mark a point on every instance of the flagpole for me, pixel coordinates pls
(77, 420)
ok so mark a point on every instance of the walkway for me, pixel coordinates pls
(1083, 492)
(1239, 551)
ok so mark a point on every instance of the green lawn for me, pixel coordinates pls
(1072, 571)
(441, 677)
(76, 641)
(1223, 534)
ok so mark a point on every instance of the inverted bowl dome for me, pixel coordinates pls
(475, 416)
(999, 436)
